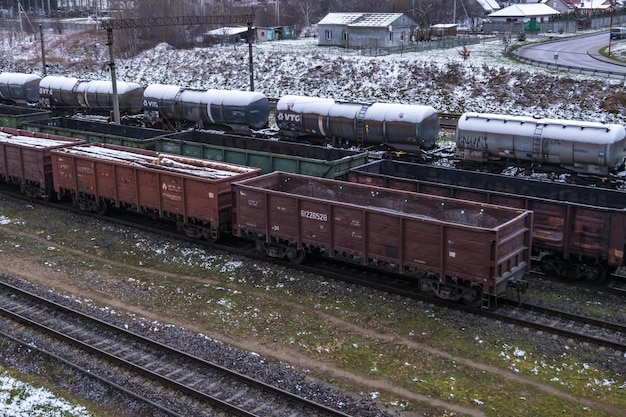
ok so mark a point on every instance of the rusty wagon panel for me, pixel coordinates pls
(574, 221)
(483, 244)
(25, 160)
(196, 193)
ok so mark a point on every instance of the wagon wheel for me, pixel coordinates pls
(101, 208)
(595, 273)
(472, 298)
(296, 256)
(549, 264)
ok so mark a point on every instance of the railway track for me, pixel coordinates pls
(598, 332)
(207, 386)
(548, 322)
(602, 333)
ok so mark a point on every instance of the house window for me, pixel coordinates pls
(344, 35)
(390, 36)
(329, 35)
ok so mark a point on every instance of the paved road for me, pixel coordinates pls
(578, 51)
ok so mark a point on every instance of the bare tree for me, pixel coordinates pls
(308, 10)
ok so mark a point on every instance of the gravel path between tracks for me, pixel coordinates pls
(57, 280)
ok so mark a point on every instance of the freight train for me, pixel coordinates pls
(392, 126)
(579, 233)
(577, 146)
(466, 251)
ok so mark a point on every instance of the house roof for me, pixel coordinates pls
(227, 31)
(444, 26)
(489, 5)
(360, 19)
(594, 4)
(525, 10)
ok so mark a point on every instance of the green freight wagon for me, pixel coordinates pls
(16, 116)
(269, 155)
(98, 132)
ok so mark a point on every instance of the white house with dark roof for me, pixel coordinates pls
(366, 30)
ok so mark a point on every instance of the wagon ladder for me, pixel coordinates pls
(537, 148)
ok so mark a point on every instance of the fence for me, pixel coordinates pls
(567, 24)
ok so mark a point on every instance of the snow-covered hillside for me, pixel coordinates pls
(486, 82)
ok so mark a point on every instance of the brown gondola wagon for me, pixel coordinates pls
(194, 193)
(457, 249)
(579, 232)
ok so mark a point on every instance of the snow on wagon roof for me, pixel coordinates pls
(184, 165)
(560, 129)
(30, 142)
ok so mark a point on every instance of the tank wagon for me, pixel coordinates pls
(193, 193)
(211, 107)
(578, 233)
(400, 127)
(25, 160)
(587, 147)
(72, 93)
(19, 88)
(457, 249)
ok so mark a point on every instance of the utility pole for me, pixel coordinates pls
(109, 25)
(43, 52)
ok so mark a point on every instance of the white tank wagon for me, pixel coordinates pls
(19, 88)
(588, 147)
(73, 93)
(402, 127)
(213, 107)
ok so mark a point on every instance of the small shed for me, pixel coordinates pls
(444, 29)
(366, 30)
(226, 35)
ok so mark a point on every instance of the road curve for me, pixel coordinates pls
(578, 52)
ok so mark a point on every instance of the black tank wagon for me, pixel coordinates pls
(457, 249)
(578, 233)
(399, 127)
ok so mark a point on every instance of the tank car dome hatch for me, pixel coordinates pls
(19, 87)
(60, 91)
(590, 147)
